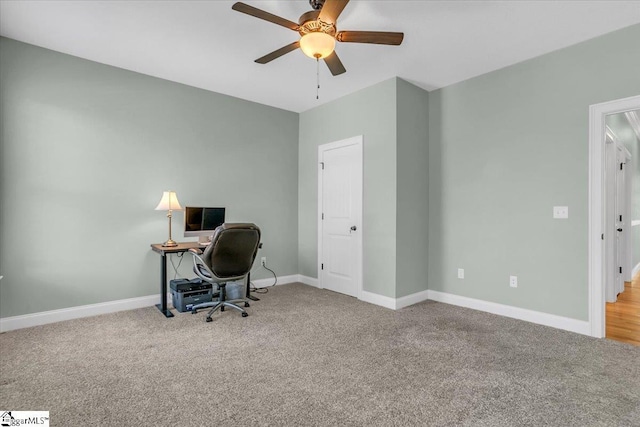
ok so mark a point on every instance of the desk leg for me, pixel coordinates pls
(163, 288)
(249, 296)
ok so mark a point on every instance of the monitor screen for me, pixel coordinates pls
(202, 221)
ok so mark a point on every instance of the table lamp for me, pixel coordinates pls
(169, 202)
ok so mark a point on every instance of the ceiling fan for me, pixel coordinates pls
(318, 31)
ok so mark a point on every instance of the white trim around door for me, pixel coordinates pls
(597, 127)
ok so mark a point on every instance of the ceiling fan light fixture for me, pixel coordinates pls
(317, 44)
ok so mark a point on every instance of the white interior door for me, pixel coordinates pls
(622, 217)
(340, 216)
(616, 217)
(619, 219)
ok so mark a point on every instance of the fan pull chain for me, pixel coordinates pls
(318, 78)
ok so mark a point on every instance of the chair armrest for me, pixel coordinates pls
(198, 263)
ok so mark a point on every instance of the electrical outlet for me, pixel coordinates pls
(461, 273)
(263, 261)
(513, 281)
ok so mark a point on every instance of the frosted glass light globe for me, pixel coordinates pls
(317, 45)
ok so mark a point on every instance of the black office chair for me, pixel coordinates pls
(229, 257)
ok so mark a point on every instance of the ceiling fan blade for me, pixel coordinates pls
(376, 37)
(259, 13)
(331, 10)
(334, 64)
(278, 53)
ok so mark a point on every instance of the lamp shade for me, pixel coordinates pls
(317, 44)
(169, 202)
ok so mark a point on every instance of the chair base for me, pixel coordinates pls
(221, 305)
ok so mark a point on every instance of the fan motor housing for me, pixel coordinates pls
(309, 23)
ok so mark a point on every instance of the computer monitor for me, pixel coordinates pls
(201, 222)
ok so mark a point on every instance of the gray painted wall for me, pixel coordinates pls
(623, 130)
(370, 112)
(392, 117)
(86, 151)
(506, 147)
(412, 189)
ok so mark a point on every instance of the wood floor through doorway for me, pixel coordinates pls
(623, 316)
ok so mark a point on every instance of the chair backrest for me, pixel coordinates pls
(232, 250)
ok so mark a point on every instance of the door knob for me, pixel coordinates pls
(353, 228)
(619, 229)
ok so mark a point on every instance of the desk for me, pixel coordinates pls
(181, 248)
(163, 251)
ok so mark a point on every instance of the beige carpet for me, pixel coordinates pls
(312, 357)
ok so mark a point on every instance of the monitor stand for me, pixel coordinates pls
(204, 240)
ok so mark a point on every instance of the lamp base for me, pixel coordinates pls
(169, 244)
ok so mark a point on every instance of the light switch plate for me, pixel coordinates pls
(561, 212)
(461, 273)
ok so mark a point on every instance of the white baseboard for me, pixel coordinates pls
(308, 280)
(378, 299)
(559, 322)
(394, 303)
(578, 326)
(554, 321)
(408, 300)
(282, 280)
(635, 270)
(45, 317)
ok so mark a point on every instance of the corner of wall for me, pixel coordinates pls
(412, 196)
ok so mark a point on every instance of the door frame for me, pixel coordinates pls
(358, 141)
(597, 140)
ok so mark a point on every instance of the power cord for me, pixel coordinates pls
(175, 269)
(264, 290)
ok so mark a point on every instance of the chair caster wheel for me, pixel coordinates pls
(245, 314)
(222, 308)
(246, 304)
(193, 311)
(208, 319)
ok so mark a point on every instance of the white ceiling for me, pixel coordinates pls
(207, 45)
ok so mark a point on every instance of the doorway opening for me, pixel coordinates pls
(607, 229)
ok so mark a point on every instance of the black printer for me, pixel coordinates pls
(185, 293)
